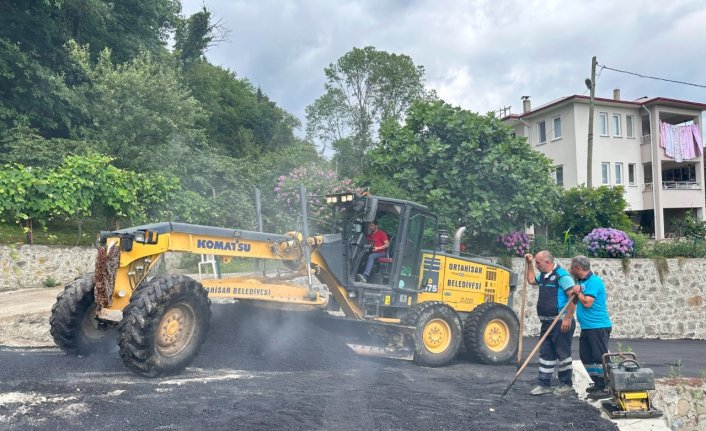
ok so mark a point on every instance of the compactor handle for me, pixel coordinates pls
(629, 365)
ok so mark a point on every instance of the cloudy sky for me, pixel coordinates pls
(478, 54)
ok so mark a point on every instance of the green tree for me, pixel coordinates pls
(34, 67)
(126, 27)
(195, 34)
(26, 146)
(580, 210)
(139, 112)
(78, 187)
(364, 87)
(240, 120)
(328, 120)
(469, 169)
(32, 94)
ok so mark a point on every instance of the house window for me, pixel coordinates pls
(603, 123)
(542, 127)
(617, 126)
(605, 173)
(629, 127)
(557, 127)
(631, 174)
(559, 175)
(618, 173)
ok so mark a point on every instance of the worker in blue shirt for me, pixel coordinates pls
(555, 285)
(592, 314)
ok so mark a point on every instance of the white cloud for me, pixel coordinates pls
(480, 55)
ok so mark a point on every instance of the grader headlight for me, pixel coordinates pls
(339, 198)
(146, 237)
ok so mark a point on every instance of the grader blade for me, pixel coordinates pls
(382, 352)
(373, 338)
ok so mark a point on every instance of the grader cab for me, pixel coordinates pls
(421, 301)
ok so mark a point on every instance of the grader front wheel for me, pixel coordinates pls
(164, 325)
(73, 323)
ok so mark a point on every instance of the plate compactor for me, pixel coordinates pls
(628, 383)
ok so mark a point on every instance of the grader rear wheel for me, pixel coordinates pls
(437, 338)
(491, 333)
(164, 325)
(73, 324)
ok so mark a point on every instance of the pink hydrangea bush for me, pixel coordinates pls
(608, 242)
(515, 243)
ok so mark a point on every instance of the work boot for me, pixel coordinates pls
(594, 388)
(361, 278)
(563, 389)
(541, 390)
(599, 394)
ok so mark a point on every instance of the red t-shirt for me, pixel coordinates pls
(378, 238)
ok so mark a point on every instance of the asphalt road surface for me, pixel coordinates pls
(667, 358)
(269, 370)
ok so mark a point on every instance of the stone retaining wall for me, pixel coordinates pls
(28, 266)
(662, 298)
(683, 402)
(647, 298)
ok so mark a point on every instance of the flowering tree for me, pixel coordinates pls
(607, 242)
(319, 181)
(516, 243)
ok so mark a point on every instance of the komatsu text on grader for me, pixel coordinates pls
(422, 302)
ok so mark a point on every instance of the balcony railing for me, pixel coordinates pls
(676, 185)
(646, 140)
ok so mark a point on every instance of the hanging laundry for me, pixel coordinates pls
(681, 142)
(678, 148)
(698, 144)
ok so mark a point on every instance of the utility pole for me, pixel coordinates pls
(591, 84)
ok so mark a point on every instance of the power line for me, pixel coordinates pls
(653, 77)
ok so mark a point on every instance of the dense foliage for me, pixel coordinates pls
(89, 89)
(469, 169)
(77, 188)
(580, 210)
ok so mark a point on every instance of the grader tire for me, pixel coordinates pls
(491, 333)
(438, 334)
(164, 325)
(73, 325)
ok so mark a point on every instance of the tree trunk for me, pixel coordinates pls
(30, 236)
(80, 232)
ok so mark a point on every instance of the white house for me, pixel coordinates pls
(636, 144)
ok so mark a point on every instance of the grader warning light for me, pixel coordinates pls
(339, 198)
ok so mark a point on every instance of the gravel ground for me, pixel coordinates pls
(271, 370)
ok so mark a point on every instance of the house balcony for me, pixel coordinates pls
(676, 194)
(676, 185)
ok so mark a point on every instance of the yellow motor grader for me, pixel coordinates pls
(421, 302)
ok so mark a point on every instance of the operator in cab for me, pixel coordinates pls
(379, 243)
